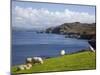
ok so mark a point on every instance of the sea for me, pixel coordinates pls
(30, 44)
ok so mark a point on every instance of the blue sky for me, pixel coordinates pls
(56, 7)
(41, 15)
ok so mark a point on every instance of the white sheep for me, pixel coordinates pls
(62, 52)
(28, 66)
(20, 67)
(28, 60)
(25, 66)
(37, 60)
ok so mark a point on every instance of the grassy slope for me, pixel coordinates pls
(78, 61)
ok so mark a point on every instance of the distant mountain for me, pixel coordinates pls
(75, 27)
(75, 30)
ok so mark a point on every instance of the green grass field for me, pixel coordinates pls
(79, 61)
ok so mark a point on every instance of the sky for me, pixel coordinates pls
(35, 15)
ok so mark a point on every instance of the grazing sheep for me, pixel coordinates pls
(29, 65)
(62, 52)
(25, 66)
(29, 60)
(20, 67)
(37, 60)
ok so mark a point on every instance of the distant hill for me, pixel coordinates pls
(75, 30)
(75, 27)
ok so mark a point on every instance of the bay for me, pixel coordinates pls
(28, 44)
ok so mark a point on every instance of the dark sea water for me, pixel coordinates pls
(29, 44)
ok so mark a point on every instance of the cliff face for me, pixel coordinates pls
(76, 27)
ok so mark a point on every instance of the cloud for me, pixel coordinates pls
(44, 18)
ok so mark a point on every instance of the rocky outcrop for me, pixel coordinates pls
(75, 27)
(84, 30)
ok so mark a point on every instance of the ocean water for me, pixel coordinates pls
(30, 44)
